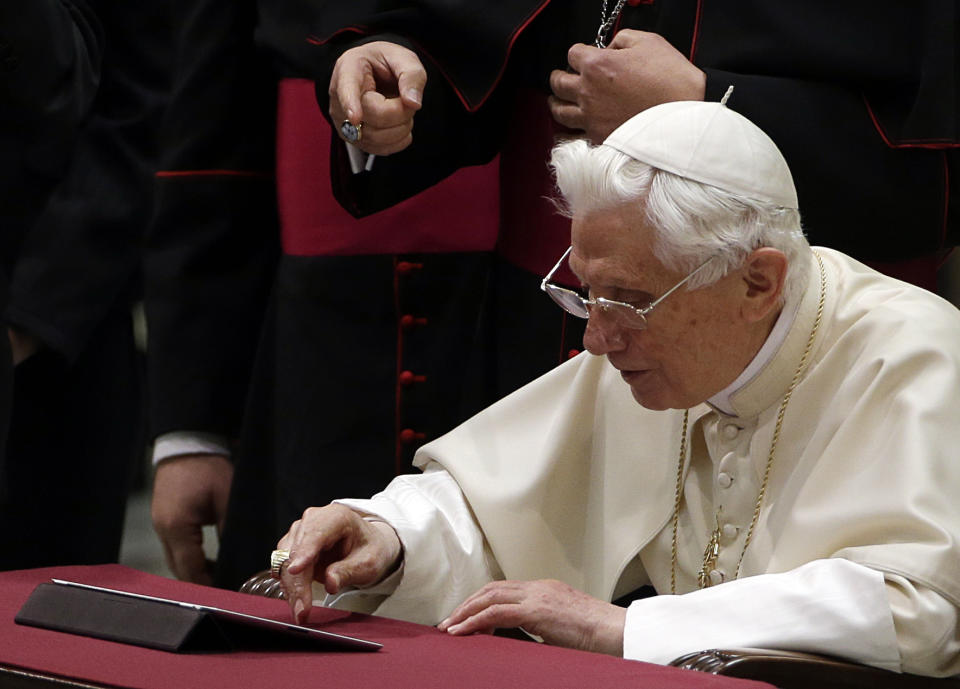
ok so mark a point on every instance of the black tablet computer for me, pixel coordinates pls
(166, 624)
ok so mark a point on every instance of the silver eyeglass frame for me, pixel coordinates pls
(627, 315)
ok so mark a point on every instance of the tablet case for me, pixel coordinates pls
(142, 622)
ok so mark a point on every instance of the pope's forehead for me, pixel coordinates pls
(613, 231)
(622, 223)
(613, 246)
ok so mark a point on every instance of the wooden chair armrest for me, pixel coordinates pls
(794, 670)
(262, 584)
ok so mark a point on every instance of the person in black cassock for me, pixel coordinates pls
(44, 95)
(73, 225)
(209, 258)
(861, 97)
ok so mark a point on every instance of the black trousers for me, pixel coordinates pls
(75, 439)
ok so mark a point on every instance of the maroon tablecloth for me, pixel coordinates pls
(413, 655)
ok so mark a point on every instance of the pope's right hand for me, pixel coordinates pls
(381, 85)
(338, 548)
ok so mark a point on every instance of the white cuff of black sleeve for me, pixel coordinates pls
(177, 443)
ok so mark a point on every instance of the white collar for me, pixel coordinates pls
(721, 401)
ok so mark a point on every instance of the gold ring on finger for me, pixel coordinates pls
(277, 559)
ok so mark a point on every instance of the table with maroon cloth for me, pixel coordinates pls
(413, 655)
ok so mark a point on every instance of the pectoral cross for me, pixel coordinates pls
(710, 555)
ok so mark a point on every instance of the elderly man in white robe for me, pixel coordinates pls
(767, 434)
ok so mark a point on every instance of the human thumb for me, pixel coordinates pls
(410, 84)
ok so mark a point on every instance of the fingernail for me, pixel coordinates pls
(298, 608)
(443, 625)
(415, 96)
(454, 629)
(350, 114)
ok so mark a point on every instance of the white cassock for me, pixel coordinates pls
(856, 551)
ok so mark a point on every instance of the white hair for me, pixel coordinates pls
(693, 221)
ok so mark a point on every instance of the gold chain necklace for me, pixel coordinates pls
(712, 551)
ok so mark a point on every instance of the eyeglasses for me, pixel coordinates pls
(627, 315)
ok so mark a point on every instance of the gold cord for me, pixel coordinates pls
(703, 576)
(676, 501)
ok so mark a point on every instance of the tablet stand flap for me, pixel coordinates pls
(150, 623)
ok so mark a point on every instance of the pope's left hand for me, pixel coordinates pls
(552, 610)
(608, 86)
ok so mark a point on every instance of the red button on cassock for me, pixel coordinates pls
(408, 435)
(408, 320)
(404, 267)
(409, 378)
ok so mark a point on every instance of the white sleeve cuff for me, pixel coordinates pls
(833, 606)
(178, 443)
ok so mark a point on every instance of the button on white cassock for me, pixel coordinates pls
(735, 484)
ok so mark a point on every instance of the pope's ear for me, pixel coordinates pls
(764, 273)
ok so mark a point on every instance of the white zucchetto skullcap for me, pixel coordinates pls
(708, 143)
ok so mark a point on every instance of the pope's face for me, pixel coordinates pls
(694, 344)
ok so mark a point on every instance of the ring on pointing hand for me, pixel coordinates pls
(351, 132)
(277, 560)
